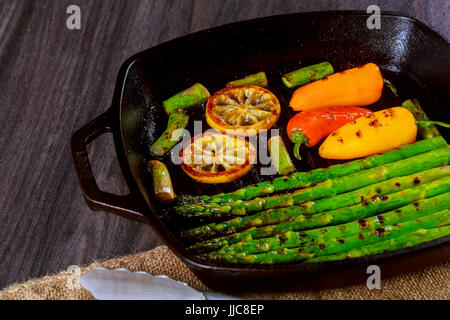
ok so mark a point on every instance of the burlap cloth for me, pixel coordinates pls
(433, 282)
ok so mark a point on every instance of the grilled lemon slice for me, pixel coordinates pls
(242, 110)
(214, 157)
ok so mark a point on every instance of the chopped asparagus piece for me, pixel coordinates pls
(178, 120)
(257, 79)
(280, 156)
(191, 97)
(162, 184)
(307, 74)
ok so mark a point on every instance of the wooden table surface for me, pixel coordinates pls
(54, 80)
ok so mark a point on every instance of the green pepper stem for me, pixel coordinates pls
(426, 124)
(298, 138)
(413, 105)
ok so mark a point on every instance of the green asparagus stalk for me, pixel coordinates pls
(404, 241)
(308, 74)
(176, 107)
(398, 215)
(178, 120)
(420, 115)
(336, 245)
(366, 208)
(280, 156)
(324, 189)
(310, 178)
(361, 228)
(161, 183)
(191, 97)
(257, 79)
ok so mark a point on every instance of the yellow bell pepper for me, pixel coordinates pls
(375, 133)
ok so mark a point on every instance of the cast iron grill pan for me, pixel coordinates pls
(413, 57)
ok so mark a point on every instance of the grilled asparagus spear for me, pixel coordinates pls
(161, 182)
(280, 156)
(170, 137)
(310, 178)
(336, 245)
(324, 189)
(360, 227)
(176, 108)
(191, 97)
(404, 241)
(366, 208)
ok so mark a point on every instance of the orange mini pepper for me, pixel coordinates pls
(359, 86)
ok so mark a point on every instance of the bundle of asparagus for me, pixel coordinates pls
(333, 233)
(251, 236)
(337, 245)
(306, 220)
(399, 198)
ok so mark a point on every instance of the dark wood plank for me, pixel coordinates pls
(52, 81)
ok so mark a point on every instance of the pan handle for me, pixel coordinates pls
(128, 206)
